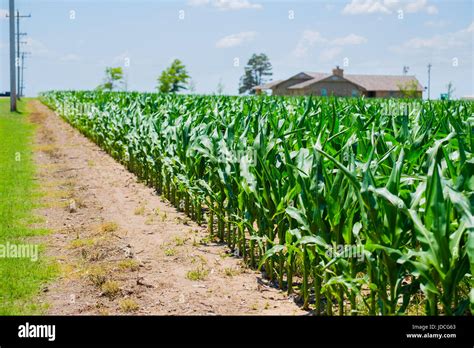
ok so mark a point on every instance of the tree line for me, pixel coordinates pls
(176, 78)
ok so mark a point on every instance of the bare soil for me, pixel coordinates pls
(122, 249)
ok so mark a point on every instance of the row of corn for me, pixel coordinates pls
(356, 206)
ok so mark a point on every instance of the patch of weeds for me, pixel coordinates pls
(199, 273)
(94, 255)
(178, 241)
(108, 227)
(182, 220)
(170, 252)
(82, 242)
(68, 270)
(231, 272)
(206, 240)
(110, 289)
(97, 275)
(129, 265)
(140, 210)
(164, 216)
(128, 305)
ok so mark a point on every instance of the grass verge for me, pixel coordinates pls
(21, 278)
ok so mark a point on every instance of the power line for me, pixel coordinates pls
(18, 53)
(21, 78)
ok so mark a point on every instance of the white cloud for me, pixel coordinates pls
(445, 41)
(227, 5)
(236, 39)
(311, 38)
(356, 7)
(3, 13)
(236, 5)
(420, 6)
(365, 7)
(330, 54)
(307, 40)
(351, 39)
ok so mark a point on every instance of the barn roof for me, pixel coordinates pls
(268, 85)
(382, 82)
(316, 78)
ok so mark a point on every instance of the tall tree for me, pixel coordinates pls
(257, 70)
(113, 79)
(174, 78)
(409, 89)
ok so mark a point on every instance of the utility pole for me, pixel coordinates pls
(17, 62)
(451, 90)
(429, 80)
(18, 55)
(12, 57)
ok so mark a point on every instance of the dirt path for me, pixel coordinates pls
(122, 249)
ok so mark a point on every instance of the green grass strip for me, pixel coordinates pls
(21, 278)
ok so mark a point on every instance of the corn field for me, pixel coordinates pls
(355, 206)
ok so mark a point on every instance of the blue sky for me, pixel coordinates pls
(72, 41)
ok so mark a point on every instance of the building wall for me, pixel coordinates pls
(333, 88)
(282, 88)
(388, 94)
